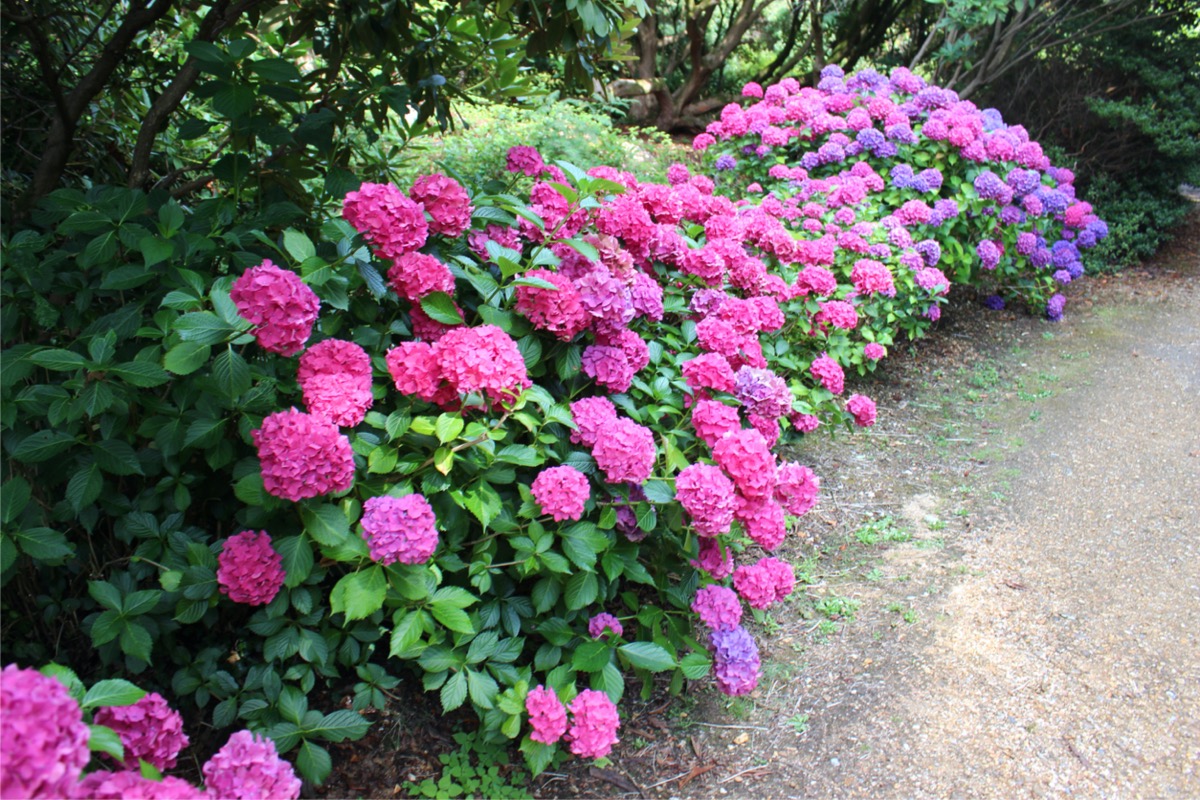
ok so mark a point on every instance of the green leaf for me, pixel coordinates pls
(581, 590)
(648, 655)
(249, 489)
(297, 557)
(406, 633)
(84, 487)
(483, 689)
(520, 454)
(610, 681)
(58, 360)
(186, 357)
(591, 656)
(155, 249)
(453, 618)
(659, 491)
(8, 552)
(44, 544)
(67, 677)
(298, 245)
(454, 692)
(233, 101)
(110, 693)
(141, 374)
(695, 666)
(116, 457)
(538, 283)
(203, 327)
(135, 641)
(105, 594)
(140, 602)
(338, 726)
(314, 762)
(326, 524)
(454, 596)
(538, 755)
(448, 427)
(231, 373)
(14, 496)
(42, 446)
(359, 594)
(102, 739)
(440, 308)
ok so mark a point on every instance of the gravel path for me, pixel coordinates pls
(1065, 660)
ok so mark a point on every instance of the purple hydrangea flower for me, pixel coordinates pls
(930, 250)
(994, 301)
(762, 392)
(1054, 307)
(726, 162)
(735, 661)
(602, 622)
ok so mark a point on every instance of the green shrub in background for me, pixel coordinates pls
(560, 128)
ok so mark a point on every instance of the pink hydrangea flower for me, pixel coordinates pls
(482, 359)
(446, 202)
(562, 492)
(874, 351)
(708, 498)
(718, 607)
(43, 740)
(709, 371)
(829, 373)
(130, 785)
(871, 276)
(279, 304)
(594, 724)
(527, 160)
(560, 311)
(714, 558)
(426, 328)
(862, 408)
(387, 219)
(678, 174)
(415, 372)
(400, 529)
(249, 570)
(745, 457)
(335, 379)
(248, 767)
(608, 366)
(712, 419)
(592, 415)
(752, 89)
(625, 451)
(762, 519)
(797, 488)
(837, 313)
(805, 423)
(303, 456)
(150, 729)
(415, 275)
(547, 714)
(764, 583)
(603, 621)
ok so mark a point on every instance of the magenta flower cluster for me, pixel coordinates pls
(248, 767)
(335, 378)
(43, 739)
(594, 724)
(400, 529)
(562, 492)
(281, 308)
(602, 622)
(149, 729)
(303, 455)
(249, 570)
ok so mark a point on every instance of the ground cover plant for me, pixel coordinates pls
(516, 442)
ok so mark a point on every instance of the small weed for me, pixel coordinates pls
(1073, 356)
(739, 707)
(881, 530)
(934, 522)
(1035, 416)
(903, 578)
(835, 607)
(985, 376)
(1047, 335)
(1033, 397)
(906, 614)
(935, 543)
(825, 629)
(478, 768)
(874, 576)
(799, 723)
(1049, 377)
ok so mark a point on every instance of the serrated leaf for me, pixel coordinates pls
(483, 689)
(141, 374)
(537, 283)
(297, 557)
(454, 596)
(448, 427)
(591, 656)
(44, 544)
(538, 755)
(14, 496)
(440, 308)
(314, 762)
(695, 666)
(58, 360)
(42, 446)
(105, 594)
(111, 693)
(203, 327)
(298, 245)
(231, 373)
(338, 726)
(648, 655)
(454, 692)
(659, 492)
(406, 633)
(359, 594)
(116, 457)
(186, 357)
(581, 590)
(326, 524)
(249, 489)
(454, 619)
(520, 454)
(84, 487)
(136, 641)
(102, 739)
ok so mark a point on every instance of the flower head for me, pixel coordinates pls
(149, 729)
(248, 767)
(130, 785)
(43, 740)
(829, 373)
(712, 419)
(249, 570)
(481, 359)
(592, 416)
(415, 275)
(446, 202)
(625, 451)
(526, 160)
(718, 607)
(594, 723)
(745, 457)
(547, 714)
(797, 488)
(735, 660)
(279, 304)
(562, 492)
(387, 219)
(303, 456)
(603, 621)
(400, 529)
(707, 495)
(765, 582)
(559, 311)
(862, 408)
(335, 378)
